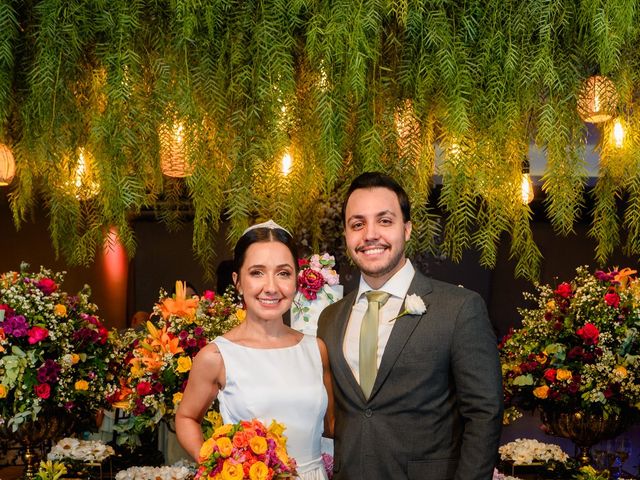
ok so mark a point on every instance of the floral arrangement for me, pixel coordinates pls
(157, 364)
(80, 450)
(246, 450)
(318, 283)
(54, 350)
(155, 473)
(579, 348)
(525, 451)
(50, 470)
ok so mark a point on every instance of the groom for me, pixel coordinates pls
(418, 395)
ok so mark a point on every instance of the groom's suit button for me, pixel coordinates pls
(368, 413)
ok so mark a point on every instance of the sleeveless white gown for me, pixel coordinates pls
(282, 384)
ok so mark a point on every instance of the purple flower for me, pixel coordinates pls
(85, 336)
(603, 276)
(48, 372)
(16, 326)
(183, 335)
(198, 331)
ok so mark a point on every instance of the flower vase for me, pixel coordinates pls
(583, 429)
(32, 434)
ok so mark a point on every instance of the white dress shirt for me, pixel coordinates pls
(397, 286)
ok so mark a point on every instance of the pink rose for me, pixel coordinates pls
(144, 388)
(37, 334)
(47, 286)
(589, 334)
(43, 390)
(612, 299)
(209, 295)
(563, 290)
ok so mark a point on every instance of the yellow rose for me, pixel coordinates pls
(177, 398)
(281, 453)
(551, 305)
(136, 370)
(223, 430)
(214, 418)
(4, 391)
(620, 371)
(276, 428)
(241, 314)
(225, 447)
(60, 310)
(232, 470)
(75, 358)
(184, 364)
(258, 471)
(541, 392)
(258, 445)
(82, 385)
(206, 450)
(562, 374)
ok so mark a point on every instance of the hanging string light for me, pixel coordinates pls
(526, 185)
(618, 133)
(7, 165)
(597, 99)
(84, 185)
(286, 163)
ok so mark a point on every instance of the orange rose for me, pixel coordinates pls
(232, 470)
(258, 445)
(206, 450)
(224, 446)
(541, 392)
(241, 439)
(60, 310)
(620, 371)
(562, 374)
(258, 471)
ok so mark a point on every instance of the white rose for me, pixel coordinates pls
(414, 305)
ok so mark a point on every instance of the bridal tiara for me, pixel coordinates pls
(270, 224)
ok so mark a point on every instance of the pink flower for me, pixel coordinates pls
(43, 390)
(563, 290)
(144, 388)
(589, 334)
(47, 286)
(209, 295)
(37, 334)
(612, 299)
(330, 276)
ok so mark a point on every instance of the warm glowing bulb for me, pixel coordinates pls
(286, 164)
(618, 133)
(526, 188)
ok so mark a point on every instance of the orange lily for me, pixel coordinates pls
(180, 305)
(161, 339)
(2, 338)
(623, 276)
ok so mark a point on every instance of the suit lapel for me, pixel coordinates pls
(402, 330)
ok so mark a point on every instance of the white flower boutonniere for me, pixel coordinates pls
(413, 305)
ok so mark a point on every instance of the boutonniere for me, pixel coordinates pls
(413, 305)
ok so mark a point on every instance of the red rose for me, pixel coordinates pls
(563, 290)
(47, 286)
(612, 299)
(303, 262)
(310, 283)
(43, 390)
(37, 334)
(8, 311)
(589, 334)
(209, 295)
(143, 388)
(550, 375)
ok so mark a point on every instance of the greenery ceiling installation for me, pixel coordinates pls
(343, 86)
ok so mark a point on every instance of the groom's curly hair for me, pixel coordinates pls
(378, 180)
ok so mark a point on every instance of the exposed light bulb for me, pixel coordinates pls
(526, 185)
(618, 133)
(287, 161)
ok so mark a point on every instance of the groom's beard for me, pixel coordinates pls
(379, 270)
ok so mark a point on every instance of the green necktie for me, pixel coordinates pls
(368, 360)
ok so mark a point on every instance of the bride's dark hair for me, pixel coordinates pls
(262, 234)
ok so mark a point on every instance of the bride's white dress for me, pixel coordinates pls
(282, 384)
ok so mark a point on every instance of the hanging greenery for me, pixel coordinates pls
(341, 86)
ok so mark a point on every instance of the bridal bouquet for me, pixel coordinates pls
(157, 363)
(54, 350)
(246, 450)
(318, 286)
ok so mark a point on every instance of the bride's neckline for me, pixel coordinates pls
(297, 344)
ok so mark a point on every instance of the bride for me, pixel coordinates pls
(262, 368)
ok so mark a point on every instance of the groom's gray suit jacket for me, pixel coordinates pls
(435, 412)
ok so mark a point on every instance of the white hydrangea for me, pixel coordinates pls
(525, 451)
